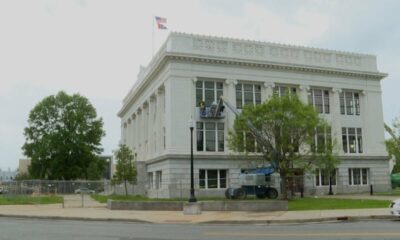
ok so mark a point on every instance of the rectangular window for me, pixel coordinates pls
(283, 90)
(322, 177)
(247, 94)
(322, 140)
(212, 178)
(352, 140)
(208, 91)
(248, 143)
(349, 103)
(319, 99)
(358, 176)
(210, 136)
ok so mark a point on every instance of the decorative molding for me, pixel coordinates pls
(304, 88)
(269, 85)
(231, 81)
(337, 90)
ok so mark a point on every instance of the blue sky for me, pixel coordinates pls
(95, 47)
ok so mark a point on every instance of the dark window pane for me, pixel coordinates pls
(209, 97)
(326, 101)
(356, 176)
(199, 84)
(349, 103)
(223, 178)
(210, 141)
(212, 178)
(350, 176)
(199, 96)
(357, 103)
(364, 176)
(221, 141)
(210, 126)
(209, 85)
(342, 103)
(258, 98)
(202, 178)
(248, 87)
(248, 98)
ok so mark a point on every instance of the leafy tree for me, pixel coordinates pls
(288, 127)
(22, 176)
(96, 168)
(63, 137)
(393, 144)
(125, 166)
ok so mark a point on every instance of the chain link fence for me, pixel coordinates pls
(179, 187)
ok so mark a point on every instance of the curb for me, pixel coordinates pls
(311, 220)
(76, 218)
(233, 222)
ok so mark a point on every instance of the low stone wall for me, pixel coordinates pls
(251, 206)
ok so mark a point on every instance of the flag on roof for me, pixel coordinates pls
(161, 22)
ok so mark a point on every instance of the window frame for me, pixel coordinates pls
(206, 180)
(201, 132)
(327, 137)
(353, 98)
(363, 172)
(358, 140)
(279, 92)
(320, 174)
(325, 100)
(242, 92)
(203, 89)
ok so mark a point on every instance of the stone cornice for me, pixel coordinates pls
(278, 57)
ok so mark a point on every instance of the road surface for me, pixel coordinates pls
(33, 229)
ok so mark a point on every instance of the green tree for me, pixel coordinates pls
(288, 127)
(393, 144)
(125, 166)
(96, 168)
(63, 137)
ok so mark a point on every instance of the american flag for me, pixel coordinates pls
(161, 22)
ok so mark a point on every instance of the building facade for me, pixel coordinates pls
(193, 70)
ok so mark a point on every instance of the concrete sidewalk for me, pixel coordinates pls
(56, 211)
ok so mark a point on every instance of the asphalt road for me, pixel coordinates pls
(32, 229)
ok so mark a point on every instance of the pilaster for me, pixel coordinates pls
(336, 119)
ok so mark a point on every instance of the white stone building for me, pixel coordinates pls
(344, 87)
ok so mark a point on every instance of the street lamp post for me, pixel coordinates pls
(192, 197)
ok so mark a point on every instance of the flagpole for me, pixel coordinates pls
(152, 38)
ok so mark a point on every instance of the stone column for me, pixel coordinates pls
(139, 133)
(145, 126)
(151, 127)
(336, 119)
(133, 132)
(160, 119)
(303, 94)
(230, 95)
(129, 133)
(267, 91)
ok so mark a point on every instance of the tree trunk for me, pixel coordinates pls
(126, 188)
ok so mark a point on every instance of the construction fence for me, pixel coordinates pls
(179, 188)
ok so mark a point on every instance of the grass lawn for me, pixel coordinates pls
(22, 200)
(327, 203)
(103, 199)
(394, 192)
(294, 205)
